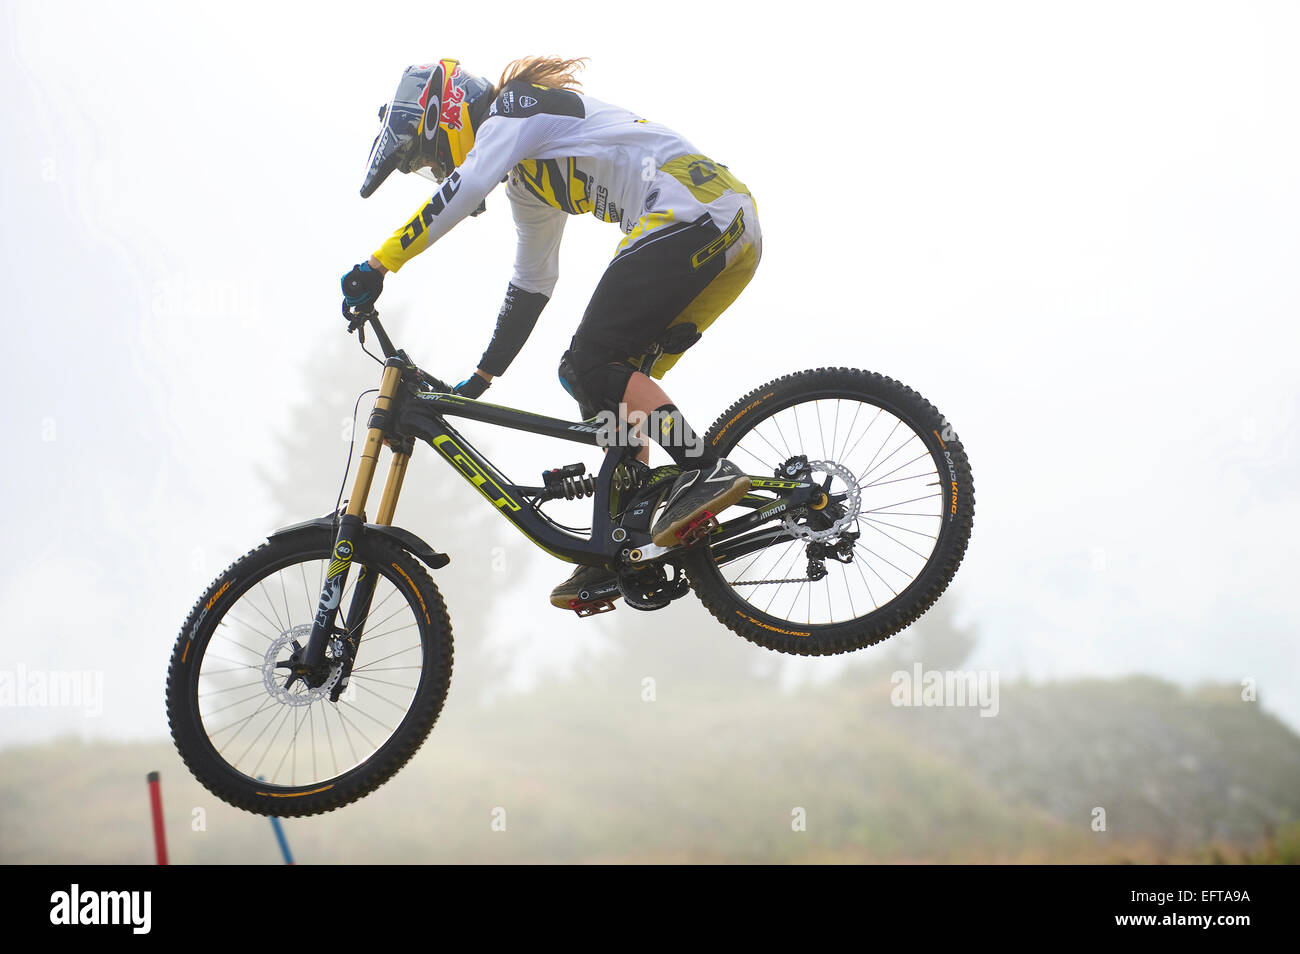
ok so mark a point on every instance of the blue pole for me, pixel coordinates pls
(279, 835)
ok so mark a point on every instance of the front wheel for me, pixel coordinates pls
(264, 743)
(890, 532)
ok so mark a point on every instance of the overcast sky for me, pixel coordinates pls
(1072, 227)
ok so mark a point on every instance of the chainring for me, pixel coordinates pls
(650, 589)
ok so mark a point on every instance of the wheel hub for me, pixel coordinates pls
(838, 514)
(296, 690)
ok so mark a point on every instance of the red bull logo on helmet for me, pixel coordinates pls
(443, 97)
(431, 103)
(453, 98)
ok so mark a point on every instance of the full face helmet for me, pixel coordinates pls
(430, 123)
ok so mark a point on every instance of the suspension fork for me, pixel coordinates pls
(364, 592)
(351, 526)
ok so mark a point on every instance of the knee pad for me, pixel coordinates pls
(596, 385)
(571, 382)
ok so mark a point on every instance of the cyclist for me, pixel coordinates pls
(691, 243)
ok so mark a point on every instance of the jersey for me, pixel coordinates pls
(563, 153)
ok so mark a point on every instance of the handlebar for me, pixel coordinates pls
(357, 321)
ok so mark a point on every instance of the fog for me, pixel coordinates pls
(1073, 229)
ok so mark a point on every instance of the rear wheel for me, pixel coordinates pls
(273, 746)
(879, 553)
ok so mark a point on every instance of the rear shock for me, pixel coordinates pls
(572, 482)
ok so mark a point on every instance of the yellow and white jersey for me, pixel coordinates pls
(565, 153)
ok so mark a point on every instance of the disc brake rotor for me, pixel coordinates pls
(852, 504)
(271, 676)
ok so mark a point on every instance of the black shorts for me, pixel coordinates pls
(666, 288)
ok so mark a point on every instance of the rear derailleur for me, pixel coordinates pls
(818, 553)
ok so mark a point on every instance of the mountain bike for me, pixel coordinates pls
(312, 669)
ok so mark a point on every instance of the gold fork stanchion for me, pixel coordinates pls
(374, 441)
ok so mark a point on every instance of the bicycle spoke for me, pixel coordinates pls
(883, 444)
(797, 591)
(759, 434)
(306, 590)
(835, 427)
(257, 738)
(865, 432)
(382, 698)
(928, 536)
(243, 647)
(275, 627)
(881, 479)
(857, 546)
(874, 601)
(844, 575)
(355, 728)
(251, 629)
(329, 740)
(217, 692)
(923, 556)
(285, 593)
(848, 435)
(281, 627)
(385, 682)
(279, 727)
(291, 747)
(233, 704)
(768, 468)
(903, 503)
(788, 452)
(793, 560)
(817, 406)
(311, 726)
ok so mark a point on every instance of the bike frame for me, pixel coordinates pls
(413, 405)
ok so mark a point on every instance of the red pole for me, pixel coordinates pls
(159, 833)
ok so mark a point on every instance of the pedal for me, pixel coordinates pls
(698, 529)
(591, 607)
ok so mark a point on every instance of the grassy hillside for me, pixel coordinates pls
(587, 771)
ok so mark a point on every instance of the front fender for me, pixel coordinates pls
(403, 538)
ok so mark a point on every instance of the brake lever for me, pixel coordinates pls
(357, 321)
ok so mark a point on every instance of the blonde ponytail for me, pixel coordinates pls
(550, 71)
